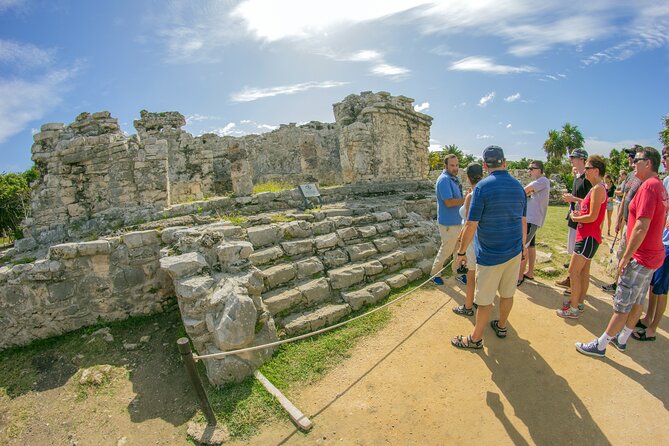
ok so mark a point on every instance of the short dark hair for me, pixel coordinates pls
(598, 163)
(653, 156)
(539, 164)
(450, 156)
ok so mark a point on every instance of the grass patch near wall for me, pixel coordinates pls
(272, 186)
(552, 237)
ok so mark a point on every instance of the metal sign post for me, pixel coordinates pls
(310, 190)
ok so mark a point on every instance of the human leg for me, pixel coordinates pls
(576, 267)
(507, 288)
(449, 237)
(531, 260)
(608, 220)
(483, 313)
(660, 307)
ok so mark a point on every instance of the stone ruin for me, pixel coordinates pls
(122, 224)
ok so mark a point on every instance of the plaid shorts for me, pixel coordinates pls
(632, 287)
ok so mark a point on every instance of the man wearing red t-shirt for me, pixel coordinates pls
(643, 255)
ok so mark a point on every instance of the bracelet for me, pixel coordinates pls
(462, 254)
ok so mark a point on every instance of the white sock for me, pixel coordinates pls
(603, 341)
(624, 335)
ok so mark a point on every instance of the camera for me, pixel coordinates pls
(462, 269)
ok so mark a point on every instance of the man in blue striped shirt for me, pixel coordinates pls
(497, 224)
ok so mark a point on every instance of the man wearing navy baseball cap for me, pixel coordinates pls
(497, 224)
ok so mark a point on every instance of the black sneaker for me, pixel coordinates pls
(610, 288)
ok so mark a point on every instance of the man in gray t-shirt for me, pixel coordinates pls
(537, 205)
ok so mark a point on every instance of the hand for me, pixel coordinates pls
(568, 198)
(575, 213)
(523, 256)
(617, 228)
(622, 265)
(460, 261)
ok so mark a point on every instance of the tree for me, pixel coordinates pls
(554, 146)
(437, 158)
(664, 134)
(521, 164)
(616, 162)
(15, 201)
(571, 137)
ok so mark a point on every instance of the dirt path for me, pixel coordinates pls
(408, 385)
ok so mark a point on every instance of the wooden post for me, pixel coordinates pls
(189, 363)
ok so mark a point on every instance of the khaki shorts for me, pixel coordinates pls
(502, 278)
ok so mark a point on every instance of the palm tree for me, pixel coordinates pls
(554, 146)
(664, 134)
(571, 137)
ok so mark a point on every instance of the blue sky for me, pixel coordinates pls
(487, 71)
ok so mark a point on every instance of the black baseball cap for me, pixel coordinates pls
(493, 156)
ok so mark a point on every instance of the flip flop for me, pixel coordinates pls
(520, 281)
(641, 336)
(640, 325)
(528, 277)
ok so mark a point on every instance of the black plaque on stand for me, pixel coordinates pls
(310, 190)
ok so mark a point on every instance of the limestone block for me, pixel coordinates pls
(61, 291)
(183, 265)
(265, 197)
(347, 233)
(372, 268)
(94, 248)
(379, 290)
(366, 231)
(193, 287)
(543, 257)
(393, 258)
(140, 238)
(194, 327)
(328, 315)
(278, 275)
(233, 252)
(296, 324)
(356, 299)
(398, 212)
(326, 241)
(412, 253)
(425, 265)
(63, 251)
(169, 235)
(338, 212)
(263, 235)
(266, 255)
(323, 227)
(296, 229)
(346, 276)
(308, 267)
(412, 273)
(386, 244)
(283, 300)
(334, 258)
(382, 216)
(236, 326)
(363, 220)
(298, 247)
(315, 291)
(382, 228)
(407, 234)
(360, 251)
(397, 281)
(342, 222)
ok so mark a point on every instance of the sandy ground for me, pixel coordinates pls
(408, 385)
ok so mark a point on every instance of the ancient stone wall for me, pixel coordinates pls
(80, 284)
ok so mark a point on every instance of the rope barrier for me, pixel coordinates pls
(317, 332)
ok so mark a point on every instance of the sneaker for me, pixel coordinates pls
(566, 283)
(610, 288)
(567, 312)
(463, 311)
(616, 344)
(461, 279)
(581, 307)
(438, 280)
(590, 349)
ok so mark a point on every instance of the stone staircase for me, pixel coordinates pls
(321, 266)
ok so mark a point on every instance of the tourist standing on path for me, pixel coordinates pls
(474, 175)
(588, 237)
(630, 187)
(449, 200)
(538, 192)
(659, 284)
(610, 196)
(579, 189)
(496, 221)
(644, 254)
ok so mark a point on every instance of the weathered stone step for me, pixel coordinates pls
(304, 294)
(315, 319)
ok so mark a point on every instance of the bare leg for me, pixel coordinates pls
(521, 271)
(531, 259)
(617, 322)
(657, 317)
(632, 317)
(482, 318)
(608, 219)
(585, 281)
(648, 319)
(576, 267)
(469, 289)
(505, 305)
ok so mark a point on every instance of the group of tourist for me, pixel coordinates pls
(491, 234)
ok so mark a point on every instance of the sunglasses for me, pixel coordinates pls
(636, 160)
(589, 167)
(533, 168)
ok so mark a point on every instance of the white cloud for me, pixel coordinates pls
(487, 98)
(23, 101)
(6, 4)
(230, 129)
(486, 65)
(385, 69)
(248, 94)
(461, 104)
(484, 136)
(24, 55)
(595, 146)
(196, 118)
(434, 147)
(512, 98)
(364, 56)
(425, 106)
(508, 126)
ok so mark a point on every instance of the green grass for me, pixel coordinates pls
(272, 186)
(552, 237)
(232, 217)
(281, 218)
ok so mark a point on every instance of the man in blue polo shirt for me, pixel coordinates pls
(497, 223)
(449, 200)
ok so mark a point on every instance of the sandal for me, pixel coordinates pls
(528, 277)
(641, 336)
(500, 332)
(463, 311)
(520, 281)
(640, 325)
(467, 342)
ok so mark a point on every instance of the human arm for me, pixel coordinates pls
(598, 197)
(466, 236)
(639, 232)
(524, 256)
(452, 202)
